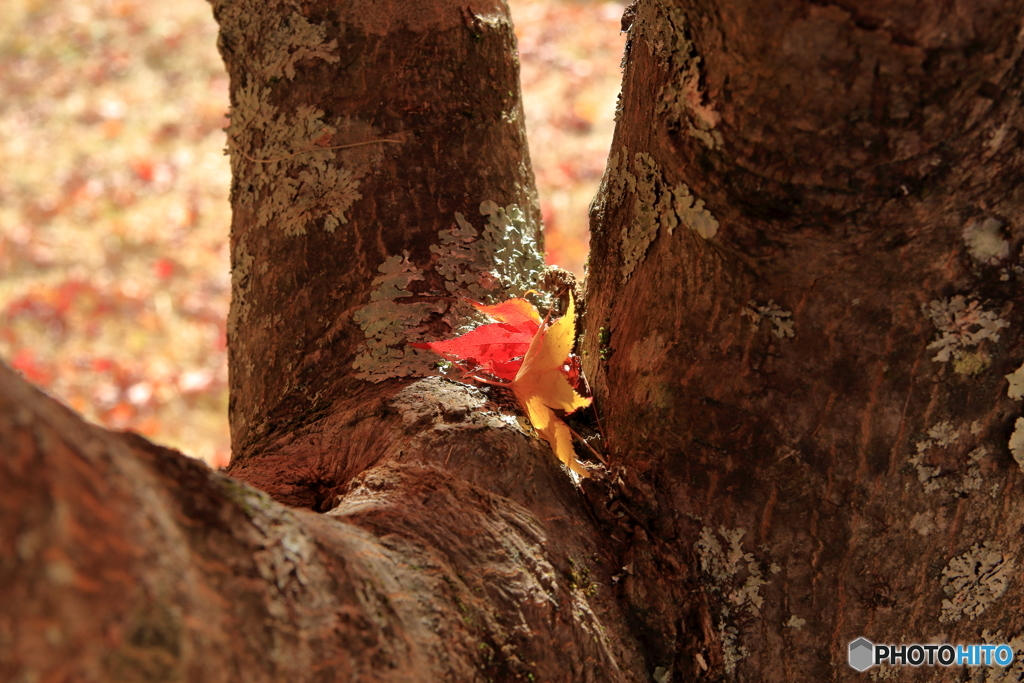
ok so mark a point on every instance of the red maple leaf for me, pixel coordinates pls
(495, 349)
(533, 360)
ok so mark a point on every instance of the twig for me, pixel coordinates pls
(600, 429)
(306, 151)
(584, 442)
(493, 383)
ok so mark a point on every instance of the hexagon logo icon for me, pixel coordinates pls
(862, 654)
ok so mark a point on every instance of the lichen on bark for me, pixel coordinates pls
(499, 261)
(656, 204)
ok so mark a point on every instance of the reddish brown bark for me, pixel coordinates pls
(771, 495)
(125, 561)
(857, 145)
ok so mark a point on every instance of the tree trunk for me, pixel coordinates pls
(802, 302)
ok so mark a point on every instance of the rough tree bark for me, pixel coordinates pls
(802, 302)
(776, 386)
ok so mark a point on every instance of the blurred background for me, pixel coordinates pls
(114, 217)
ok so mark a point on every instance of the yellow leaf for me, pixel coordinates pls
(541, 386)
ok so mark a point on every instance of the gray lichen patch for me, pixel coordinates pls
(1015, 388)
(289, 191)
(723, 563)
(499, 260)
(984, 241)
(781, 321)
(885, 672)
(795, 622)
(962, 325)
(284, 37)
(974, 580)
(680, 101)
(241, 280)
(387, 324)
(294, 184)
(1000, 674)
(943, 436)
(971, 479)
(284, 550)
(927, 474)
(924, 523)
(656, 205)
(1016, 443)
(718, 562)
(733, 652)
(286, 555)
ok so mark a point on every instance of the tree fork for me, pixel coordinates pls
(802, 302)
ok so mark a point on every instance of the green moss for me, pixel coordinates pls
(251, 501)
(604, 340)
(579, 580)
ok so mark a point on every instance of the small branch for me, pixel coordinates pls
(600, 429)
(493, 383)
(306, 151)
(589, 447)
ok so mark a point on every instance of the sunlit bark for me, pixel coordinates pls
(803, 300)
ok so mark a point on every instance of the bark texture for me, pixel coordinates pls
(817, 458)
(329, 288)
(125, 561)
(432, 87)
(804, 297)
(453, 546)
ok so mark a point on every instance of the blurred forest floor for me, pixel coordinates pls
(114, 218)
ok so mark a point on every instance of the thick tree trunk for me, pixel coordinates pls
(803, 299)
(825, 192)
(428, 94)
(125, 561)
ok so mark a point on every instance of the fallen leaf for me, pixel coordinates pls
(519, 313)
(496, 349)
(542, 386)
(532, 360)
